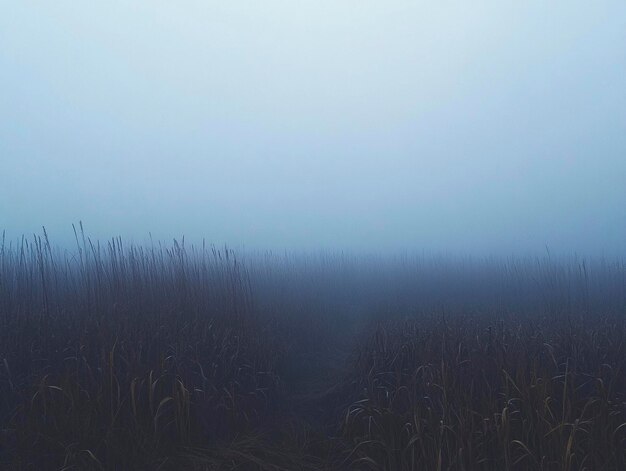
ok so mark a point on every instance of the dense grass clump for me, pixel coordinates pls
(491, 394)
(175, 357)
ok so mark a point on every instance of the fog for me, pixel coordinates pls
(459, 127)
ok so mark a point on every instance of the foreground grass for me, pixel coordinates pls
(117, 357)
(502, 395)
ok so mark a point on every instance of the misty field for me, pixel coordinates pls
(125, 357)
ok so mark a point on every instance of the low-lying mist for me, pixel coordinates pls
(179, 356)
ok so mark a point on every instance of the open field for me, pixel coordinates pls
(117, 357)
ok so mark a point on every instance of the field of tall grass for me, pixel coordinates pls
(172, 357)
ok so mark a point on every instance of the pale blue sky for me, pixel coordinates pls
(483, 127)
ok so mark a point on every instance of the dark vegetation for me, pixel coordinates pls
(145, 358)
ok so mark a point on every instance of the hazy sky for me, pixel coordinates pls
(466, 126)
